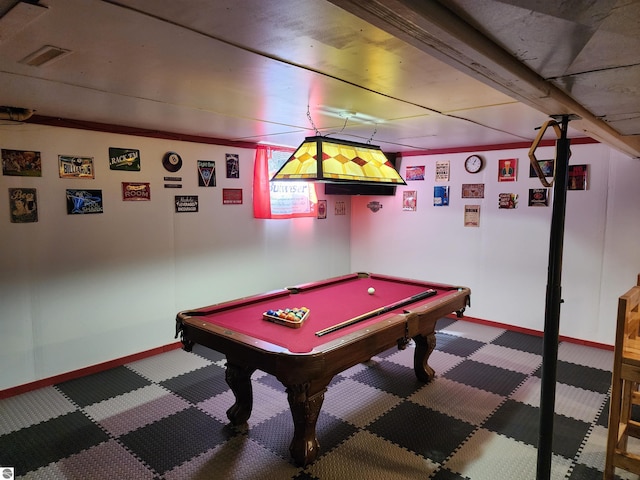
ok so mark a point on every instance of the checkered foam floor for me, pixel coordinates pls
(164, 418)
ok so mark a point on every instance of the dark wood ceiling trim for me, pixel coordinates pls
(140, 132)
(496, 146)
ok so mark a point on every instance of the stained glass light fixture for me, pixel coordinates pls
(324, 159)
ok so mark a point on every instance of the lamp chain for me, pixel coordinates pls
(375, 130)
(311, 122)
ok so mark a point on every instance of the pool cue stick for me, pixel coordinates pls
(378, 311)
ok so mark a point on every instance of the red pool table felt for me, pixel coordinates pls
(330, 302)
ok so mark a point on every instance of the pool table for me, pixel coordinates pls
(345, 325)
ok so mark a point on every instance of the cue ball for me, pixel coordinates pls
(371, 290)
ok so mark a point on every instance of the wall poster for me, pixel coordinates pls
(472, 215)
(508, 200)
(21, 163)
(441, 196)
(547, 167)
(23, 205)
(322, 209)
(414, 173)
(538, 197)
(409, 200)
(473, 190)
(578, 177)
(232, 196)
(233, 165)
(442, 171)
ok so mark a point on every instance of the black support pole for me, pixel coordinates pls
(552, 307)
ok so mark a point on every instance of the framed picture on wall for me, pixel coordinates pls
(547, 167)
(441, 196)
(578, 177)
(473, 190)
(508, 170)
(233, 165)
(538, 197)
(442, 171)
(507, 200)
(414, 172)
(232, 196)
(409, 200)
(472, 215)
(322, 209)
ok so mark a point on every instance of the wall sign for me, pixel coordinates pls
(124, 159)
(71, 166)
(186, 203)
(135, 191)
(81, 202)
(206, 173)
(23, 205)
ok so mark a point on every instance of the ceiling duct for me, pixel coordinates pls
(15, 114)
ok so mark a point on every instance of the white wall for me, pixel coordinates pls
(505, 260)
(80, 290)
(77, 290)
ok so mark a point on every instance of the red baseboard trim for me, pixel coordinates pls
(46, 382)
(536, 333)
(100, 367)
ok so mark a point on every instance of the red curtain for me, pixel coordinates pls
(261, 197)
(262, 189)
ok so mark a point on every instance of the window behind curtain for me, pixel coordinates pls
(280, 199)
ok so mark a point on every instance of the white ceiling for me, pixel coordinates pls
(412, 74)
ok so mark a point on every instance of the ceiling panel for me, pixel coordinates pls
(411, 74)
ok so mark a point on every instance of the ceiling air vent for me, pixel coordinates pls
(45, 56)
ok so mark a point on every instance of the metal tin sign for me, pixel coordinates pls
(206, 173)
(135, 191)
(232, 196)
(124, 159)
(186, 203)
(75, 167)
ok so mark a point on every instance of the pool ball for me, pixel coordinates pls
(371, 290)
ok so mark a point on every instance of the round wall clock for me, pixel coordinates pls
(473, 164)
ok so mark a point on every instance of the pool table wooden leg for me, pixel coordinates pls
(424, 347)
(305, 401)
(239, 379)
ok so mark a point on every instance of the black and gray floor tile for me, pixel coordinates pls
(164, 418)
